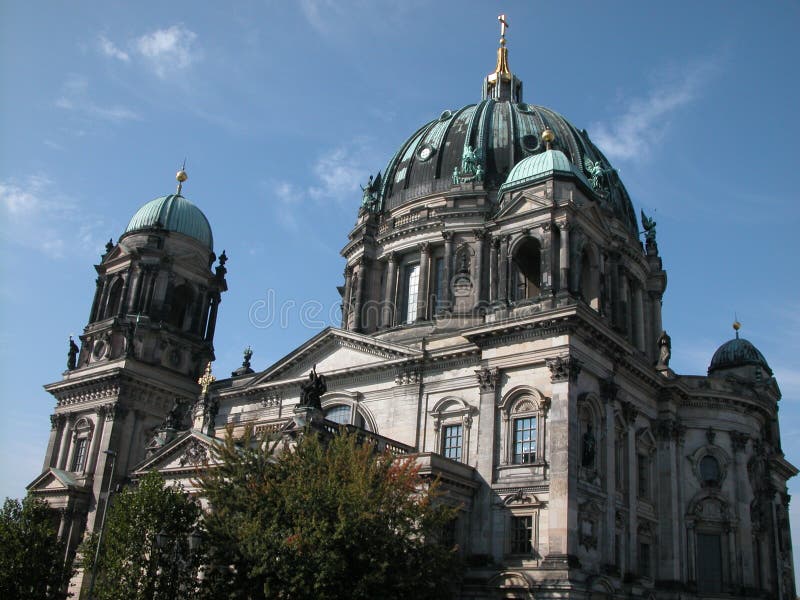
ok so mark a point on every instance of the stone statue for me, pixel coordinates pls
(175, 416)
(479, 173)
(72, 354)
(649, 228)
(455, 176)
(130, 332)
(589, 444)
(369, 198)
(248, 354)
(312, 390)
(664, 349)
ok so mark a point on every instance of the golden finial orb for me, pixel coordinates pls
(737, 326)
(181, 176)
(548, 136)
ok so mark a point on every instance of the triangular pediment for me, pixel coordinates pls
(189, 451)
(523, 202)
(332, 351)
(54, 481)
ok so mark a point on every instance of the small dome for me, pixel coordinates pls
(534, 167)
(173, 213)
(737, 352)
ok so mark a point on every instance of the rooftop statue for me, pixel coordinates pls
(72, 354)
(312, 390)
(649, 228)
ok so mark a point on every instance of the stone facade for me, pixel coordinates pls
(503, 325)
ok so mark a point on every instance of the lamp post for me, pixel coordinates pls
(113, 456)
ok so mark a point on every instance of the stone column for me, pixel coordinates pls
(96, 302)
(123, 299)
(655, 301)
(502, 293)
(50, 458)
(668, 547)
(132, 303)
(448, 270)
(100, 420)
(564, 435)
(212, 319)
(494, 252)
(423, 290)
(359, 300)
(480, 239)
(102, 300)
(545, 260)
(150, 290)
(633, 488)
(389, 303)
(616, 319)
(638, 304)
(563, 259)
(348, 288)
(65, 435)
(481, 521)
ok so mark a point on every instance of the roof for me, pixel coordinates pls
(737, 352)
(173, 213)
(540, 166)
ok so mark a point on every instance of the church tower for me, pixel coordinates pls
(149, 336)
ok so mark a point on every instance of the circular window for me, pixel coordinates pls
(530, 142)
(425, 152)
(522, 107)
(445, 115)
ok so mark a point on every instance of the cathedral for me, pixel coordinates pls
(501, 322)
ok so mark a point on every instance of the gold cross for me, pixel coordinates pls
(207, 379)
(503, 25)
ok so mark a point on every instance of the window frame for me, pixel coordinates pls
(447, 412)
(520, 403)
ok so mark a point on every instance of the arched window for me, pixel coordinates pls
(527, 275)
(345, 414)
(114, 298)
(524, 414)
(180, 305)
(452, 421)
(82, 436)
(709, 470)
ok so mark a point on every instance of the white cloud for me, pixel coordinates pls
(108, 48)
(339, 175)
(168, 50)
(646, 119)
(36, 216)
(75, 97)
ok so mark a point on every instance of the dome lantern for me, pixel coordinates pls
(502, 84)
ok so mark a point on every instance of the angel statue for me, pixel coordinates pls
(649, 228)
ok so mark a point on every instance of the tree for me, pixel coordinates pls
(31, 555)
(145, 550)
(324, 520)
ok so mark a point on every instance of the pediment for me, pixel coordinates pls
(334, 350)
(55, 481)
(523, 202)
(187, 452)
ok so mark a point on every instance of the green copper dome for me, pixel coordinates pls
(737, 352)
(173, 213)
(538, 166)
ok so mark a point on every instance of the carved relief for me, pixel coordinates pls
(487, 379)
(196, 454)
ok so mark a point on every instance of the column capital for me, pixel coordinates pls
(424, 248)
(480, 234)
(487, 378)
(391, 257)
(738, 440)
(448, 236)
(563, 368)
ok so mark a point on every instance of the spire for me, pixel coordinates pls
(181, 176)
(501, 84)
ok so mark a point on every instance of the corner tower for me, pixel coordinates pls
(149, 336)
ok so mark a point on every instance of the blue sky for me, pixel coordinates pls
(283, 108)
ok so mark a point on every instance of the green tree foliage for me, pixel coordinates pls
(31, 556)
(324, 521)
(131, 563)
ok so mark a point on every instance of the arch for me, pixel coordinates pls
(516, 392)
(359, 415)
(600, 588)
(510, 584)
(590, 422)
(180, 304)
(722, 459)
(526, 271)
(524, 415)
(113, 299)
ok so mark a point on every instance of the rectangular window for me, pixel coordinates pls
(643, 464)
(79, 459)
(524, 440)
(522, 535)
(709, 563)
(453, 438)
(644, 559)
(412, 291)
(619, 464)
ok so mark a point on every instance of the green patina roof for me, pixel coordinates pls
(173, 213)
(737, 352)
(539, 166)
